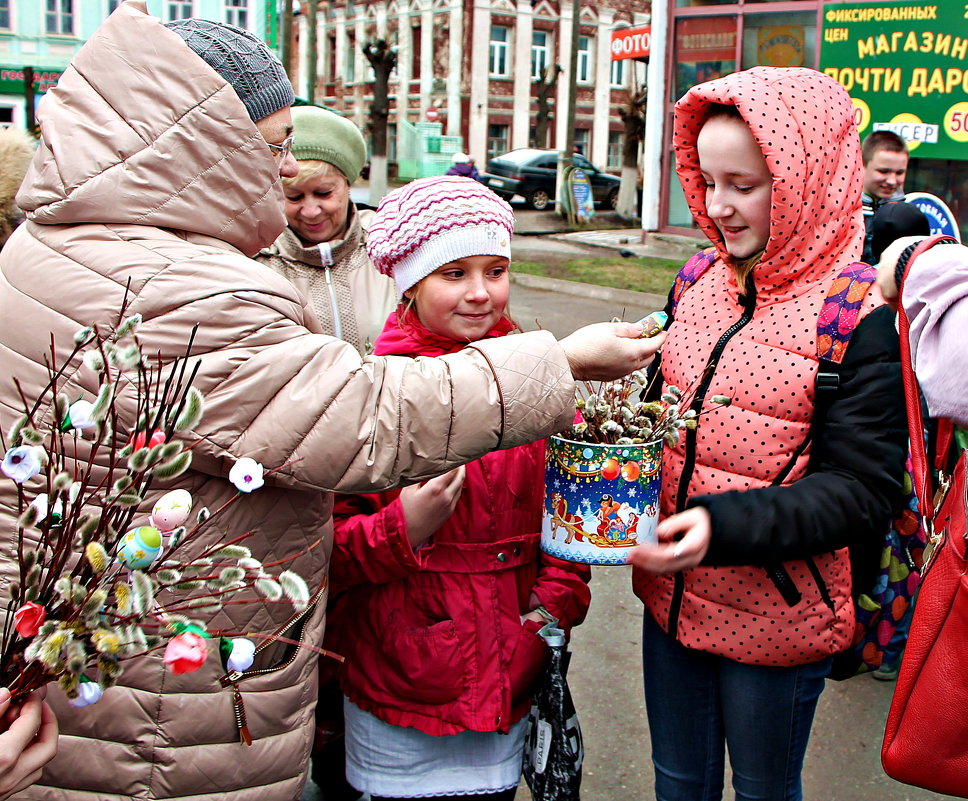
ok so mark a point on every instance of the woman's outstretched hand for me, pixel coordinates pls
(683, 542)
(607, 351)
(28, 742)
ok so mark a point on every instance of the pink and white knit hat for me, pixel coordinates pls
(433, 221)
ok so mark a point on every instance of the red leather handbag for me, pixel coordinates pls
(926, 739)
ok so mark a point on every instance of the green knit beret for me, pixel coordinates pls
(325, 136)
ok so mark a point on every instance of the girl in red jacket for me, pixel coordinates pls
(441, 587)
(748, 593)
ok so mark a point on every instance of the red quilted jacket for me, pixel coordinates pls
(758, 347)
(433, 640)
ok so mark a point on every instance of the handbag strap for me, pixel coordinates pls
(912, 395)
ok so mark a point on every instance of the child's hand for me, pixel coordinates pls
(427, 505)
(28, 742)
(670, 555)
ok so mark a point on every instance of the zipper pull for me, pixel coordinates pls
(244, 736)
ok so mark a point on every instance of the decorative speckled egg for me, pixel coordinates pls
(171, 510)
(139, 547)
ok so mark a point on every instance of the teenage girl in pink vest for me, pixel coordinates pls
(747, 594)
(441, 587)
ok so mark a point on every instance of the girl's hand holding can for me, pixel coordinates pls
(683, 542)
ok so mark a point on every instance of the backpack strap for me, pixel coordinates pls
(689, 273)
(838, 319)
(835, 326)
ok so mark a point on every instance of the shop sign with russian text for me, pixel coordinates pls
(12, 80)
(631, 42)
(905, 66)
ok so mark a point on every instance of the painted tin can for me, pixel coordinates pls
(600, 500)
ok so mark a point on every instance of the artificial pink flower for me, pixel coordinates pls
(28, 619)
(185, 652)
(141, 440)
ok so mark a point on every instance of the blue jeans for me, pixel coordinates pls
(699, 705)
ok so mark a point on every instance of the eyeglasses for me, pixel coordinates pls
(283, 149)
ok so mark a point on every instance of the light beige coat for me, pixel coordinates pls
(151, 180)
(350, 298)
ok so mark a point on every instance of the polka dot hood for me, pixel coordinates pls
(803, 122)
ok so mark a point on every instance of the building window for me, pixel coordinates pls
(498, 63)
(416, 49)
(540, 54)
(705, 49)
(787, 39)
(497, 140)
(349, 67)
(180, 9)
(60, 16)
(615, 141)
(618, 74)
(237, 13)
(581, 141)
(331, 73)
(4, 15)
(584, 59)
(6, 116)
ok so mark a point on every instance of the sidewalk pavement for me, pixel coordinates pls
(606, 230)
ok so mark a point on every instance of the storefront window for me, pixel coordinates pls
(780, 39)
(694, 3)
(705, 49)
(679, 214)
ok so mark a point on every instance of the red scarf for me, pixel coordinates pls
(404, 335)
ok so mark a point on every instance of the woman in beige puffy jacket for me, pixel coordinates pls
(155, 178)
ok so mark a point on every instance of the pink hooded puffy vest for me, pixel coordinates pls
(803, 121)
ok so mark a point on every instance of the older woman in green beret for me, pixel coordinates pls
(322, 251)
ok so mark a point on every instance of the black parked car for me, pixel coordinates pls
(532, 173)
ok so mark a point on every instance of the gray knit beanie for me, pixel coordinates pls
(243, 59)
(325, 136)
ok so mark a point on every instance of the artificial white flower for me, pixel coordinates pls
(22, 463)
(242, 656)
(42, 504)
(246, 474)
(79, 415)
(88, 692)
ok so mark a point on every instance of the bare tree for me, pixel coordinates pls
(285, 36)
(312, 12)
(632, 113)
(383, 58)
(542, 120)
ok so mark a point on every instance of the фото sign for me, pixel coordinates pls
(631, 42)
(905, 66)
